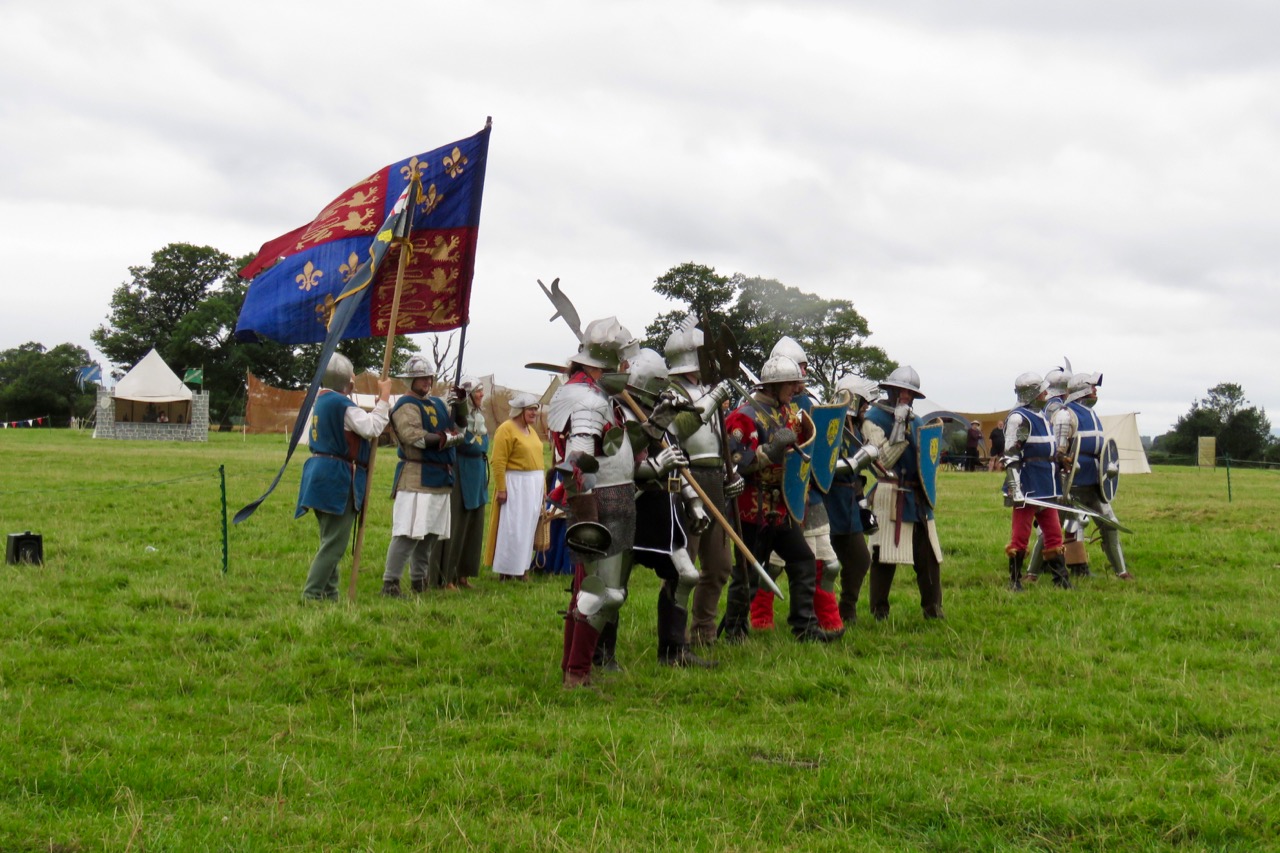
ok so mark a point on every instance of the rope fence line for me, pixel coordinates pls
(1189, 461)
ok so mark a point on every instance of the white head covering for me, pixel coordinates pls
(522, 400)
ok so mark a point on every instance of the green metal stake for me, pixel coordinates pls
(222, 478)
(1226, 458)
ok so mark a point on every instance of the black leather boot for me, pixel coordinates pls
(1057, 564)
(1015, 570)
(605, 656)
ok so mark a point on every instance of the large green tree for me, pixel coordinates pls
(35, 382)
(759, 311)
(186, 303)
(1242, 430)
(832, 332)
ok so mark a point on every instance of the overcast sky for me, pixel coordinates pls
(994, 185)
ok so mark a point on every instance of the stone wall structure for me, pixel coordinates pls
(108, 427)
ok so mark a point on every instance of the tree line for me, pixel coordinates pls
(185, 303)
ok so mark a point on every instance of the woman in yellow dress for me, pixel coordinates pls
(518, 468)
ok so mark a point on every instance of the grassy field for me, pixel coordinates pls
(150, 702)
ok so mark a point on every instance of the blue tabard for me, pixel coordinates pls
(915, 509)
(842, 498)
(1089, 433)
(330, 481)
(1039, 470)
(473, 470)
(437, 465)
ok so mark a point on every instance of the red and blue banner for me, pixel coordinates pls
(297, 279)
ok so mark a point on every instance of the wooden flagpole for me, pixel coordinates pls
(405, 252)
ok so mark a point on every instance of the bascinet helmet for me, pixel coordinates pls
(1082, 385)
(904, 378)
(863, 389)
(339, 373)
(603, 343)
(418, 367)
(791, 348)
(1057, 381)
(648, 373)
(1028, 387)
(779, 368)
(682, 348)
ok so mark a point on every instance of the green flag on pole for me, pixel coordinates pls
(194, 375)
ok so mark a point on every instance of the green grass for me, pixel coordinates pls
(148, 702)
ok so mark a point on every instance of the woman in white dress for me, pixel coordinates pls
(518, 467)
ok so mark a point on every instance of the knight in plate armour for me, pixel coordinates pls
(1031, 474)
(704, 446)
(1090, 474)
(594, 453)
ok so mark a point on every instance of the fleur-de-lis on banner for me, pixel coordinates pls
(415, 167)
(349, 268)
(429, 199)
(309, 277)
(454, 162)
(324, 311)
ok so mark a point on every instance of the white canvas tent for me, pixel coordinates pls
(151, 403)
(1124, 429)
(149, 389)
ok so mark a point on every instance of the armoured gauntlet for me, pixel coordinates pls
(782, 439)
(710, 403)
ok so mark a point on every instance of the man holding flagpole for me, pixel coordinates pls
(327, 280)
(333, 479)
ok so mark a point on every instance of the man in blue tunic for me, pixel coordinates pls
(465, 545)
(333, 479)
(907, 533)
(425, 432)
(1032, 473)
(1085, 429)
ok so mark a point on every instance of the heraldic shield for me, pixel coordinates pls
(828, 437)
(796, 474)
(1110, 461)
(928, 457)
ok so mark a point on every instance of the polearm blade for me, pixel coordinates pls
(564, 307)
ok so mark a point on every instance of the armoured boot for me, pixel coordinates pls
(825, 606)
(605, 656)
(1015, 570)
(762, 610)
(1057, 565)
(1115, 554)
(391, 589)
(1035, 564)
(672, 621)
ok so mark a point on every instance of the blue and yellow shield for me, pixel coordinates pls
(928, 457)
(796, 472)
(828, 433)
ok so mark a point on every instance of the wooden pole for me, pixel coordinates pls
(373, 445)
